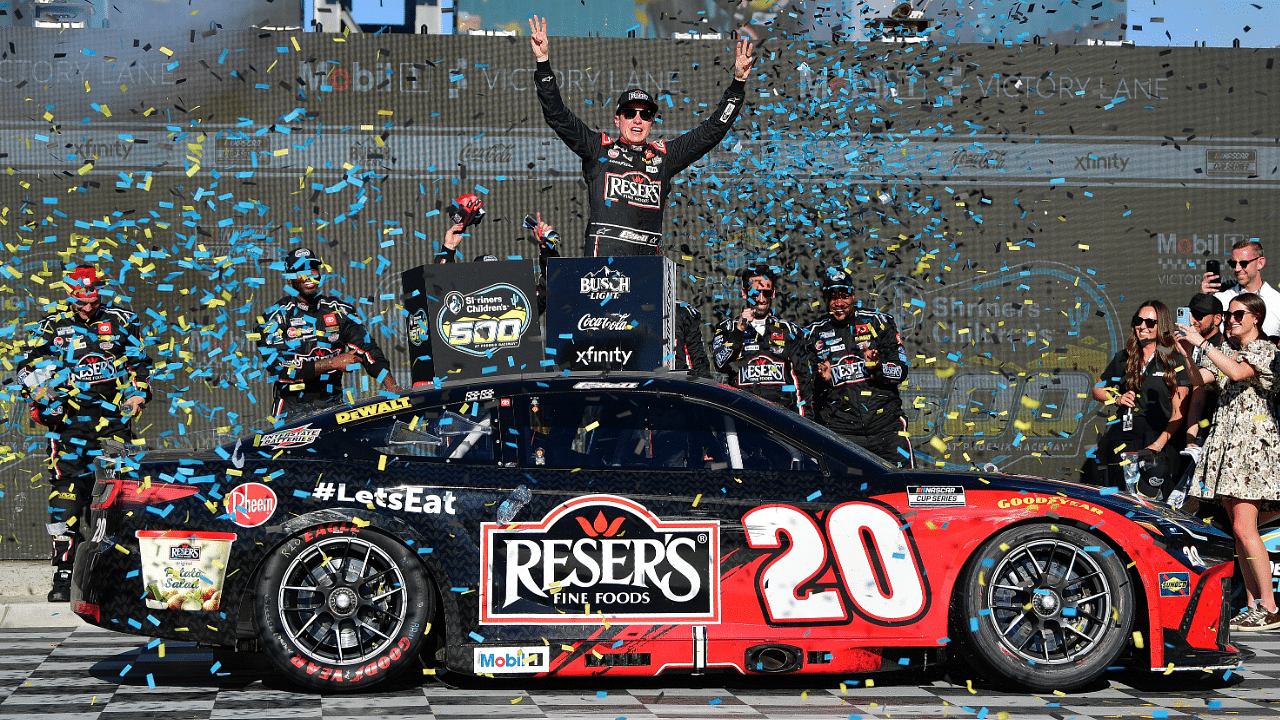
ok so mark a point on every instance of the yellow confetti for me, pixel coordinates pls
(166, 51)
(697, 500)
(428, 671)
(86, 168)
(513, 702)
(1137, 640)
(359, 522)
(969, 684)
(295, 44)
(382, 463)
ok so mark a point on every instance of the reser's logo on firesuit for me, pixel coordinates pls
(600, 554)
(633, 188)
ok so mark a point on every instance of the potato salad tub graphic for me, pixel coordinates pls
(183, 570)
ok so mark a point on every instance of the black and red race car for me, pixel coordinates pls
(635, 525)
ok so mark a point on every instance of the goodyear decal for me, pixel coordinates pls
(369, 411)
(1175, 584)
(1030, 501)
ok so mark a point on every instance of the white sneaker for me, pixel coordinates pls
(1246, 616)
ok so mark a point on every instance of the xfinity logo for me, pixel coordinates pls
(1104, 162)
(592, 355)
(600, 554)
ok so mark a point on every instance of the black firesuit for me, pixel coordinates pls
(77, 374)
(861, 400)
(294, 335)
(691, 353)
(628, 186)
(769, 364)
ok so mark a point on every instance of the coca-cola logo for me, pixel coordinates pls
(251, 504)
(603, 552)
(496, 153)
(616, 321)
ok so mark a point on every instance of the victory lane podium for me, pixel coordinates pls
(469, 320)
(611, 313)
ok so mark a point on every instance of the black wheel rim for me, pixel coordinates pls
(1049, 601)
(342, 601)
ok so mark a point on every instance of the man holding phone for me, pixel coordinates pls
(1246, 262)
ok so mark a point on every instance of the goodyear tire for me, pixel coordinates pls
(1045, 607)
(340, 607)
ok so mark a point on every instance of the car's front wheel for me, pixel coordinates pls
(1047, 607)
(340, 607)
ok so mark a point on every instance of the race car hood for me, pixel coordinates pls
(1170, 527)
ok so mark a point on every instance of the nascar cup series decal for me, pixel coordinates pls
(600, 554)
(489, 319)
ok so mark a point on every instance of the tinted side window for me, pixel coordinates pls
(456, 432)
(646, 431)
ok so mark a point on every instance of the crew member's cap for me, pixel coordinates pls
(837, 279)
(467, 210)
(1205, 304)
(302, 259)
(84, 282)
(636, 97)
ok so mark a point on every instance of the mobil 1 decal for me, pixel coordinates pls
(600, 554)
(856, 559)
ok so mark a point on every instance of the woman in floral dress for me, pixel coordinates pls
(1240, 463)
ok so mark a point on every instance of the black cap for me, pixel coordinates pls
(837, 279)
(300, 259)
(636, 97)
(1205, 304)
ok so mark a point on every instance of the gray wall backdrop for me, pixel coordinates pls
(1011, 206)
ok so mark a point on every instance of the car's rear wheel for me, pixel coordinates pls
(1047, 607)
(342, 607)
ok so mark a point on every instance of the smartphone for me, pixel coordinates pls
(531, 222)
(1184, 316)
(1214, 267)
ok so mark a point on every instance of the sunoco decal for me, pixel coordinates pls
(1175, 584)
(935, 496)
(489, 319)
(600, 554)
(510, 660)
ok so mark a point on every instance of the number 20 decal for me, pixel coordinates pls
(876, 563)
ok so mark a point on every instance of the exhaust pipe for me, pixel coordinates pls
(774, 659)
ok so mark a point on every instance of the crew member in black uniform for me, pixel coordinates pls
(691, 353)
(86, 376)
(762, 353)
(858, 364)
(628, 178)
(308, 340)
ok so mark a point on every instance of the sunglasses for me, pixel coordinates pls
(1240, 263)
(630, 113)
(762, 293)
(1237, 315)
(1149, 322)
